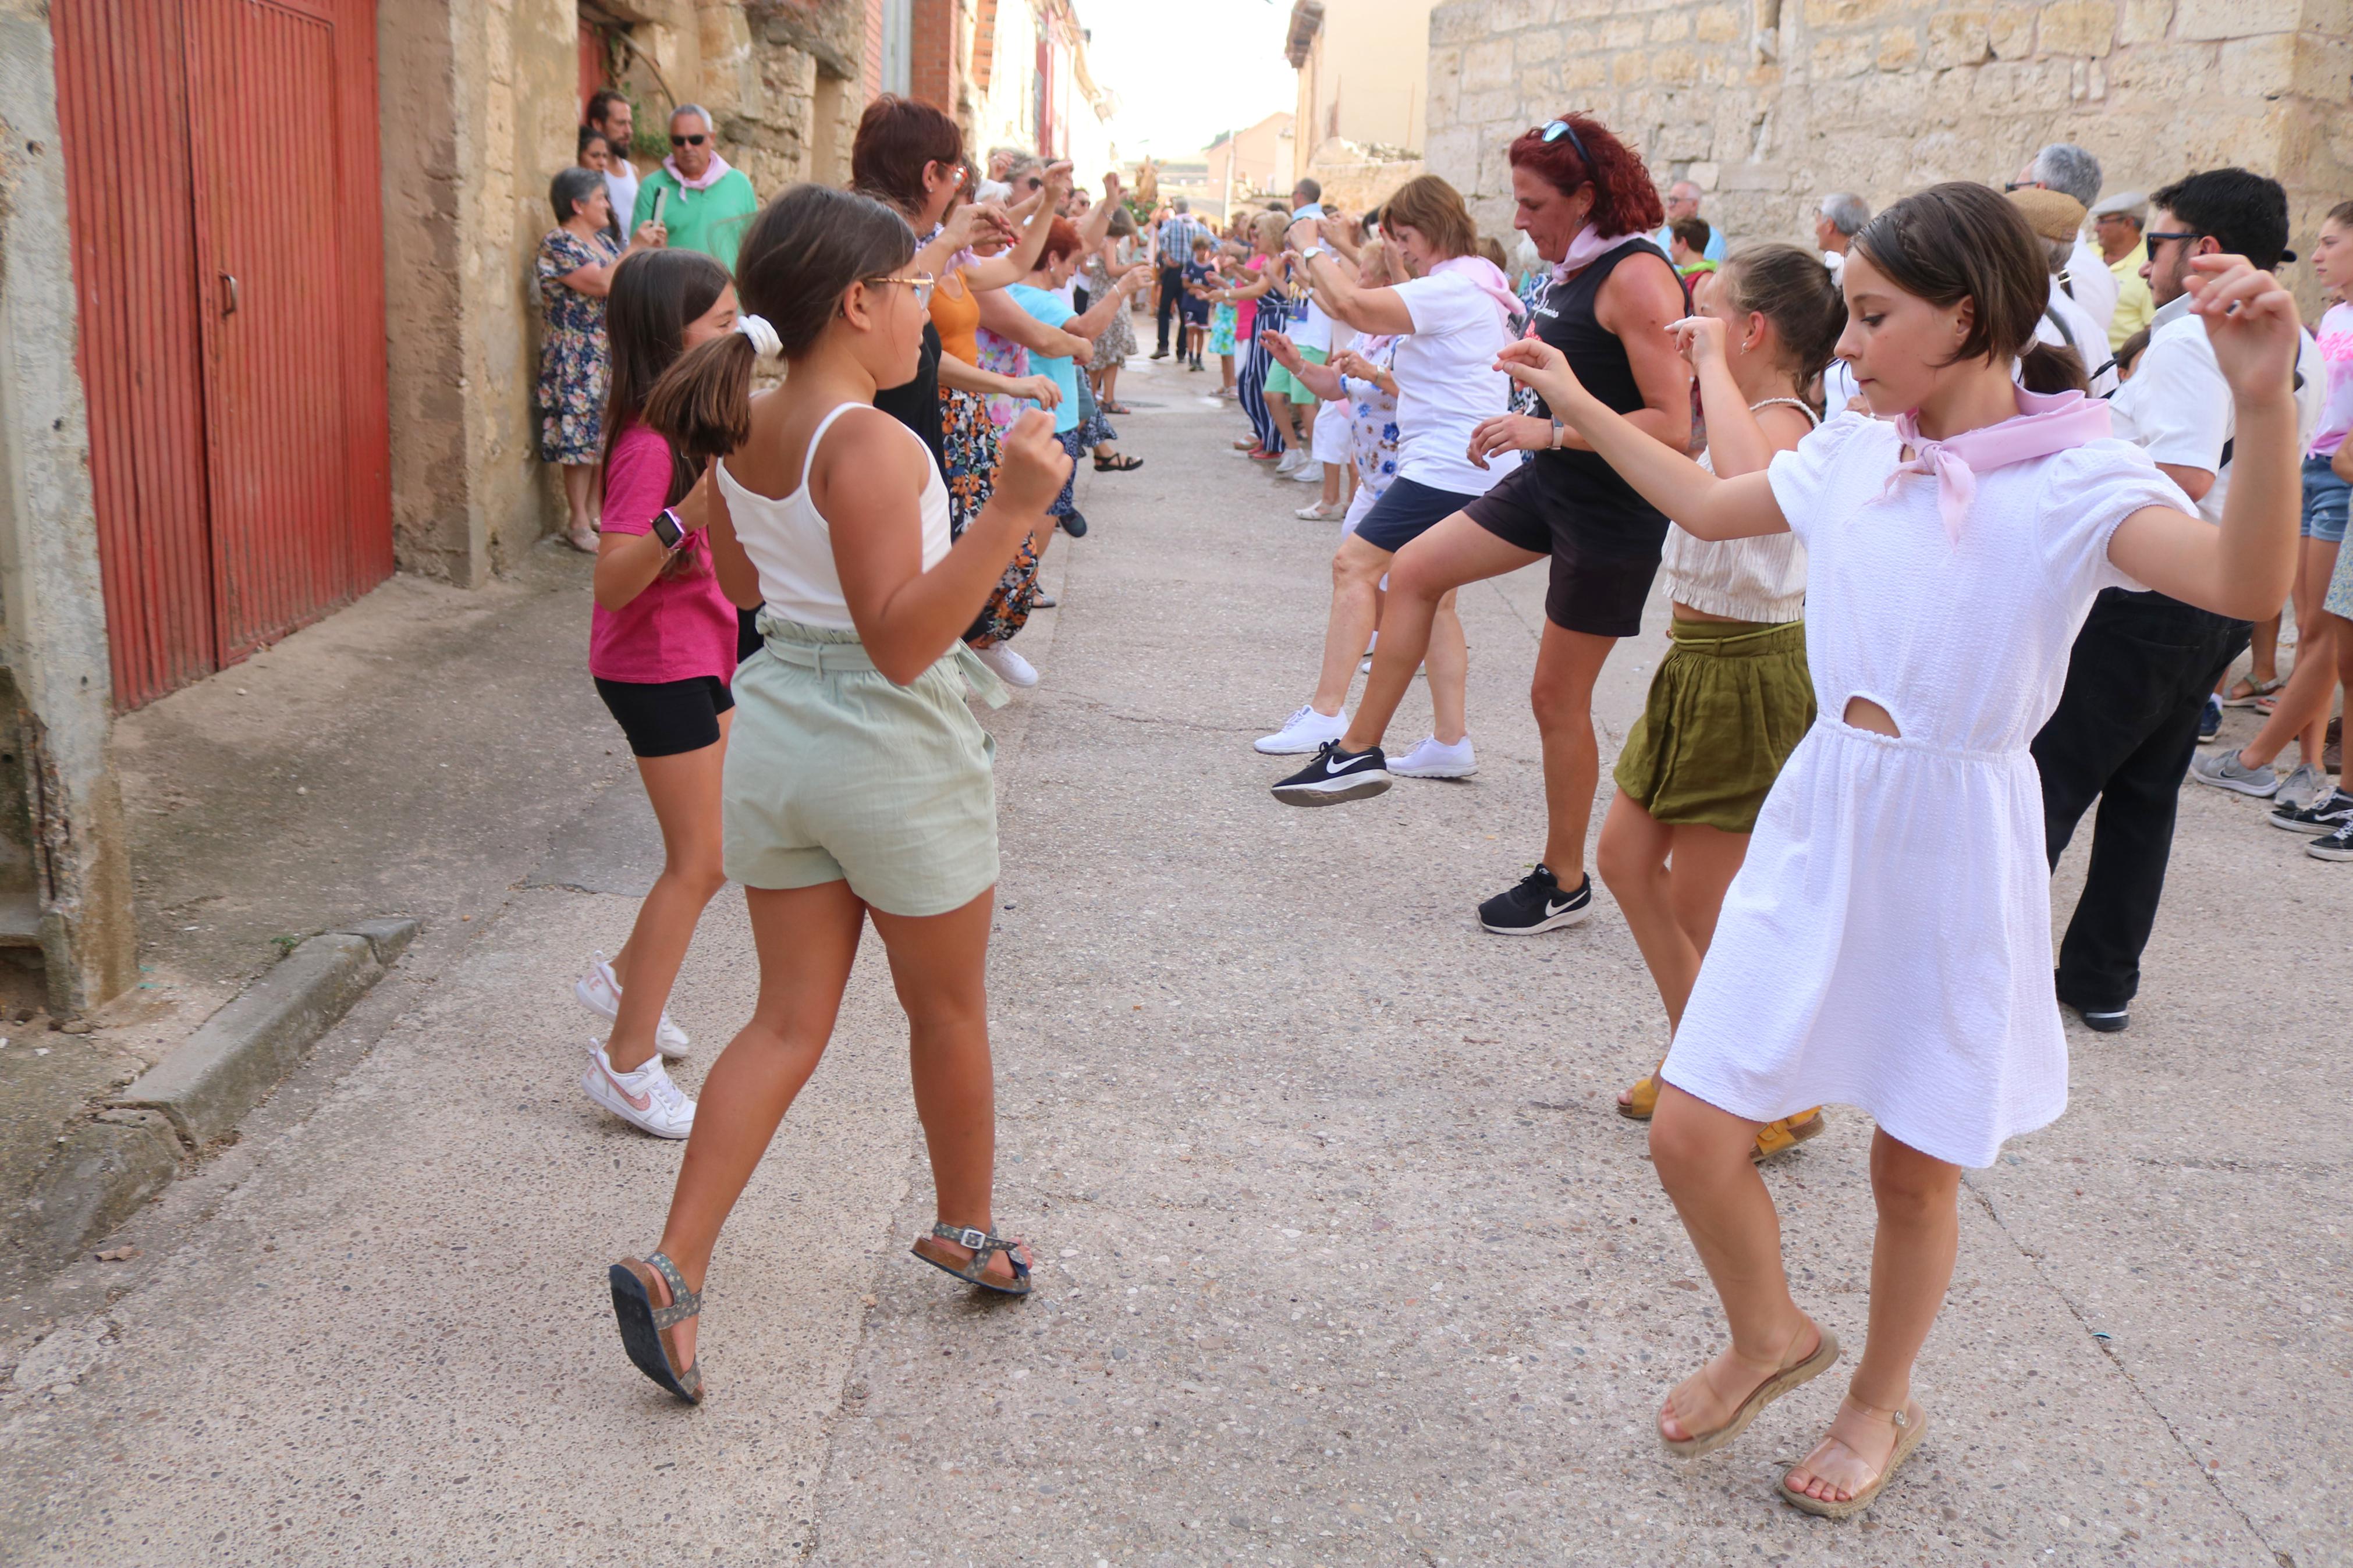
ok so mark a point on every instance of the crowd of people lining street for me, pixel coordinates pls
(1965, 520)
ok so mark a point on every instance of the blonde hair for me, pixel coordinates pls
(1372, 257)
(1268, 229)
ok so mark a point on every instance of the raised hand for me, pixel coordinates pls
(1031, 467)
(1699, 339)
(2251, 322)
(1285, 353)
(1506, 433)
(1532, 362)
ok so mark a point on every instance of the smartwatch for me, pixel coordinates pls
(672, 533)
(1558, 430)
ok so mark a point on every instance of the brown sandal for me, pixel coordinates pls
(982, 1246)
(1908, 1433)
(1825, 1355)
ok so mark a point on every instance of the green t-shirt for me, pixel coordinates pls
(711, 221)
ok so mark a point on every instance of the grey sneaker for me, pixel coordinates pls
(2302, 787)
(2223, 770)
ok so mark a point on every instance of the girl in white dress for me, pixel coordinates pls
(1887, 941)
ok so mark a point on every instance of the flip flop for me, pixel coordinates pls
(1764, 1394)
(1908, 1434)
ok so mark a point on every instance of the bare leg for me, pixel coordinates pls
(1225, 373)
(2302, 714)
(1911, 1266)
(1567, 664)
(807, 938)
(1455, 552)
(684, 790)
(579, 486)
(1701, 1157)
(1330, 494)
(1356, 569)
(1448, 662)
(1107, 392)
(2262, 663)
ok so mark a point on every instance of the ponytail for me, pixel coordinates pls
(703, 405)
(2048, 368)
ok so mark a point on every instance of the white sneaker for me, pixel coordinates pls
(645, 1099)
(1309, 473)
(1010, 666)
(1304, 732)
(1321, 512)
(601, 994)
(1290, 460)
(1432, 760)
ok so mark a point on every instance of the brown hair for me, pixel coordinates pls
(2341, 215)
(1433, 209)
(1790, 287)
(1696, 233)
(1958, 241)
(897, 137)
(801, 252)
(1625, 201)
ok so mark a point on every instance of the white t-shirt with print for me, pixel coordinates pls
(1448, 384)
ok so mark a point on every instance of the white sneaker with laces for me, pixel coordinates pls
(1290, 460)
(645, 1099)
(1303, 733)
(601, 994)
(1309, 473)
(1010, 666)
(1320, 511)
(1433, 760)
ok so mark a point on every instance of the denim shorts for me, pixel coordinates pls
(2325, 499)
(2339, 602)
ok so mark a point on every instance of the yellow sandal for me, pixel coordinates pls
(1781, 1137)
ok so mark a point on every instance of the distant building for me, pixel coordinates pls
(1363, 106)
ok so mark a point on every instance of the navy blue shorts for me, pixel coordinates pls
(1406, 511)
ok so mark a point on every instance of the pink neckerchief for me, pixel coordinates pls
(2045, 423)
(1588, 248)
(711, 176)
(1487, 278)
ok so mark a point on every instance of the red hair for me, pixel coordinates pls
(1624, 199)
(1062, 239)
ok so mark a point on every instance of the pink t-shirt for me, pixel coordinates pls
(2336, 338)
(679, 628)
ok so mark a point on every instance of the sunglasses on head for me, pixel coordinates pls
(687, 141)
(1557, 128)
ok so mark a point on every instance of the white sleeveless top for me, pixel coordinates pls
(1761, 579)
(792, 544)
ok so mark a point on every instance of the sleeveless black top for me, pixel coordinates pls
(916, 404)
(1608, 515)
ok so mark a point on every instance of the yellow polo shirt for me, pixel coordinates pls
(2135, 303)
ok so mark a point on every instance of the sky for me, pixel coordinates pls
(1186, 71)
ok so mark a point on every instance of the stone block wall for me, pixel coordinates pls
(1769, 104)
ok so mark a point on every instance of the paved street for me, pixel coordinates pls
(1345, 1259)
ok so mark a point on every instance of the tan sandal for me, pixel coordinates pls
(1781, 1137)
(1909, 1430)
(1642, 1102)
(1825, 1355)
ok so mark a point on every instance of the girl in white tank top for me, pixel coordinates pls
(857, 782)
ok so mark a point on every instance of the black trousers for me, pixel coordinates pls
(2124, 733)
(1172, 291)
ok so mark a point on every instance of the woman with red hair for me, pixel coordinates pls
(1584, 197)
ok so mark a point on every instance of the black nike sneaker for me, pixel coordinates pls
(1537, 904)
(1335, 776)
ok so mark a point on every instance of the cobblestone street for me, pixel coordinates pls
(1344, 1257)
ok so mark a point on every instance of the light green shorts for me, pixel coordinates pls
(834, 773)
(1279, 380)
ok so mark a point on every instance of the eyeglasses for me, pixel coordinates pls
(687, 141)
(2021, 185)
(1557, 128)
(920, 282)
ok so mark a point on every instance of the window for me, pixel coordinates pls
(898, 45)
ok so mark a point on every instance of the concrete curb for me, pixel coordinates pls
(133, 1148)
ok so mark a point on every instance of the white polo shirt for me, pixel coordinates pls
(2177, 406)
(2092, 284)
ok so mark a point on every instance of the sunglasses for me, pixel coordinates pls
(2019, 185)
(1557, 128)
(2158, 237)
(920, 282)
(687, 141)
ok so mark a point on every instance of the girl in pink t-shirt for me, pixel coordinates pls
(661, 648)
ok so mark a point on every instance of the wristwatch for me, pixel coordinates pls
(1558, 430)
(669, 529)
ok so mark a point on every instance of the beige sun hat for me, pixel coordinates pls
(2053, 215)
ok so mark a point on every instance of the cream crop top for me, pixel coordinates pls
(1761, 579)
(792, 545)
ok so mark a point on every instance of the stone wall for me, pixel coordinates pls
(1769, 104)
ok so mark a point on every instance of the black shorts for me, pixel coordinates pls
(667, 718)
(1596, 589)
(1194, 311)
(1406, 511)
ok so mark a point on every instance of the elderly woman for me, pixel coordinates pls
(705, 202)
(575, 267)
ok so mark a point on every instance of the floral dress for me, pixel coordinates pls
(574, 361)
(1117, 341)
(1007, 358)
(1372, 419)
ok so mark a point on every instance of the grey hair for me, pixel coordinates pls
(1847, 212)
(1685, 186)
(710, 126)
(1010, 149)
(2064, 166)
(2058, 252)
(1022, 163)
(1180, 205)
(571, 188)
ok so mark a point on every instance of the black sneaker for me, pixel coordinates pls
(1335, 776)
(1074, 524)
(1159, 353)
(2103, 1020)
(2210, 719)
(2331, 810)
(2338, 845)
(1537, 904)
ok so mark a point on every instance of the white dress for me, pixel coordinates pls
(1887, 941)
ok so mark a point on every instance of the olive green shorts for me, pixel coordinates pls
(835, 774)
(1730, 702)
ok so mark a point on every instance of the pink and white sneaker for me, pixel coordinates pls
(645, 1099)
(601, 994)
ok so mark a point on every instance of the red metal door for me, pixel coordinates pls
(122, 110)
(254, 215)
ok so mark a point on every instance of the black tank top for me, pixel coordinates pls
(916, 404)
(1602, 510)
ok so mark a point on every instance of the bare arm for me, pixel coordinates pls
(596, 280)
(627, 564)
(868, 484)
(1099, 313)
(1014, 265)
(1038, 389)
(1739, 440)
(1636, 304)
(1319, 379)
(1011, 323)
(1351, 304)
(2194, 482)
(706, 507)
(1704, 505)
(2246, 567)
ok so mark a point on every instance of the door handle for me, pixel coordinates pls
(229, 279)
